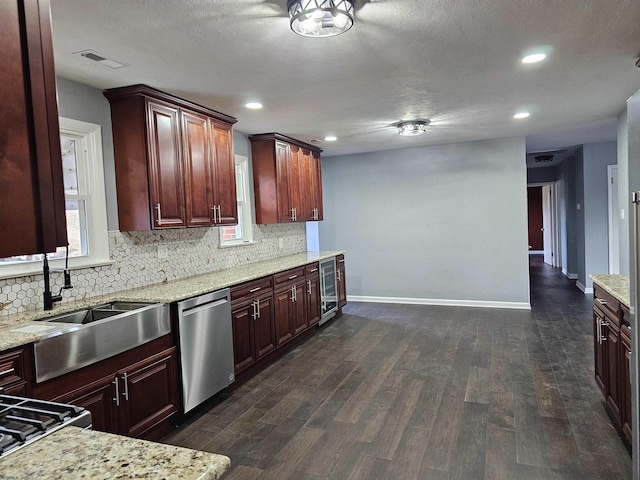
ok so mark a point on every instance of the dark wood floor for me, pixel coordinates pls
(426, 392)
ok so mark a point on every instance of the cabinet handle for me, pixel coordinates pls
(253, 290)
(126, 387)
(601, 302)
(117, 397)
(598, 330)
(253, 305)
(7, 372)
(603, 338)
(293, 276)
(159, 214)
(294, 293)
(214, 214)
(258, 308)
(313, 270)
(309, 287)
(219, 214)
(294, 215)
(338, 275)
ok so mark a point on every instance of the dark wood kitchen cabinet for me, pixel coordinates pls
(16, 371)
(312, 276)
(134, 393)
(289, 304)
(254, 334)
(287, 179)
(174, 161)
(611, 357)
(341, 280)
(32, 204)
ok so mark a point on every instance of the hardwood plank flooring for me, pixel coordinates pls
(425, 392)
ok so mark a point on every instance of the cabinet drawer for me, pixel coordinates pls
(311, 269)
(255, 287)
(340, 258)
(12, 369)
(607, 303)
(288, 276)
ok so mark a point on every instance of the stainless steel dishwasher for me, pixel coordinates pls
(206, 346)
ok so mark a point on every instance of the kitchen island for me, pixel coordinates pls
(75, 453)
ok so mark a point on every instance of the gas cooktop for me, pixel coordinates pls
(25, 420)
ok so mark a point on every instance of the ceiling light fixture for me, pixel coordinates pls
(534, 58)
(254, 105)
(330, 138)
(413, 127)
(521, 115)
(320, 18)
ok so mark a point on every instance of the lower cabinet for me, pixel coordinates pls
(313, 295)
(290, 305)
(254, 333)
(15, 371)
(611, 357)
(129, 394)
(341, 281)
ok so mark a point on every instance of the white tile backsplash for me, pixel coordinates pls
(192, 251)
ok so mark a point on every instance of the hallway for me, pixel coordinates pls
(426, 392)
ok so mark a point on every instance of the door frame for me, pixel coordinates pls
(613, 219)
(552, 216)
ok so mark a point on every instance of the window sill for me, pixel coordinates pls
(236, 244)
(35, 268)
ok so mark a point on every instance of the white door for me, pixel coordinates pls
(614, 219)
(547, 227)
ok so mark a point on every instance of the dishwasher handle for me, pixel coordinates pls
(203, 306)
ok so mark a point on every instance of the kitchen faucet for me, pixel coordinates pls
(49, 298)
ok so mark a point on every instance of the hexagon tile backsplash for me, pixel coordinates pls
(191, 251)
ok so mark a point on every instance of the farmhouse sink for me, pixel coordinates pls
(96, 334)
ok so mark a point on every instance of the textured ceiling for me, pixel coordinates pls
(456, 62)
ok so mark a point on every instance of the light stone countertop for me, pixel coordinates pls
(168, 292)
(74, 453)
(615, 285)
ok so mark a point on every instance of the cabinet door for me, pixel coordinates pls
(613, 355)
(313, 299)
(283, 153)
(198, 175)
(341, 281)
(224, 176)
(299, 307)
(599, 352)
(303, 166)
(32, 205)
(165, 166)
(294, 170)
(282, 314)
(242, 321)
(265, 329)
(150, 392)
(99, 398)
(625, 387)
(315, 185)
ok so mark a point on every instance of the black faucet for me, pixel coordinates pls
(49, 298)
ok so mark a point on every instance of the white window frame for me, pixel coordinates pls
(243, 193)
(91, 177)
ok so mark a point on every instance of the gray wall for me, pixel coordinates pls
(87, 104)
(596, 157)
(580, 226)
(542, 175)
(624, 199)
(567, 176)
(435, 223)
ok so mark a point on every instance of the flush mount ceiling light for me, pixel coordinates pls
(254, 105)
(534, 58)
(320, 18)
(330, 138)
(414, 127)
(521, 115)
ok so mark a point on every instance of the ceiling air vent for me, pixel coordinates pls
(101, 59)
(543, 158)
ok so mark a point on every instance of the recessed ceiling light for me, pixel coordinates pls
(254, 105)
(413, 127)
(534, 58)
(521, 115)
(330, 138)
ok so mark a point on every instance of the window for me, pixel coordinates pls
(86, 210)
(241, 233)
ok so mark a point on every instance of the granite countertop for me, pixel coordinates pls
(615, 285)
(23, 328)
(74, 453)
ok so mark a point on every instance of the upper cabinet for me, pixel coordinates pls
(287, 179)
(174, 161)
(32, 206)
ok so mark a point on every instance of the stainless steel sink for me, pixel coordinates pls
(96, 334)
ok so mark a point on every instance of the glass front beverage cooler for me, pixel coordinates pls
(328, 289)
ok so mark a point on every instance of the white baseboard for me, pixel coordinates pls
(442, 302)
(570, 276)
(585, 290)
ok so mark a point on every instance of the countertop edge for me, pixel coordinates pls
(615, 285)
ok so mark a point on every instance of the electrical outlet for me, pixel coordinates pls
(281, 243)
(163, 251)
